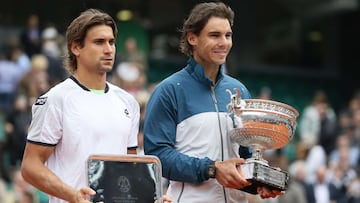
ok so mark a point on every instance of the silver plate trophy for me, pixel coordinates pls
(125, 179)
(260, 125)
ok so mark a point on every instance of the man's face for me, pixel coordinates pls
(213, 44)
(98, 52)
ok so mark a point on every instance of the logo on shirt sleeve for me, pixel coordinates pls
(41, 101)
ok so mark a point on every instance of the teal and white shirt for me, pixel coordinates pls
(186, 126)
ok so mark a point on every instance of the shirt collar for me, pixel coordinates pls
(85, 88)
(198, 72)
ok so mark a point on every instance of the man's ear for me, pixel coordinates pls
(75, 48)
(192, 38)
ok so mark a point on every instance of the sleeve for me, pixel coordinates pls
(46, 126)
(135, 122)
(160, 138)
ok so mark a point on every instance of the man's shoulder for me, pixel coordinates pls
(175, 78)
(118, 90)
(231, 78)
(234, 82)
(57, 92)
(121, 93)
(62, 87)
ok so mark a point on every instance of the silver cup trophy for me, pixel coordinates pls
(260, 125)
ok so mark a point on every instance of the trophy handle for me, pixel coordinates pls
(236, 103)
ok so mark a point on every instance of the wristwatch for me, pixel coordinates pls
(211, 171)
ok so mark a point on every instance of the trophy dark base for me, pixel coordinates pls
(261, 175)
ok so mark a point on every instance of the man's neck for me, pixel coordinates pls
(91, 81)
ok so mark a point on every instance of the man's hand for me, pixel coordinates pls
(266, 193)
(166, 199)
(229, 175)
(82, 195)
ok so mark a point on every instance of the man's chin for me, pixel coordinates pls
(105, 69)
(220, 62)
(106, 66)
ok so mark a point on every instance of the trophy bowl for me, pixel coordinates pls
(264, 124)
(261, 125)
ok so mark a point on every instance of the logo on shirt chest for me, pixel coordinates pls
(126, 112)
(41, 101)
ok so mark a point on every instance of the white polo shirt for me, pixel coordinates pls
(81, 123)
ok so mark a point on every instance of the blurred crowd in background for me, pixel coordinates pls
(323, 157)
